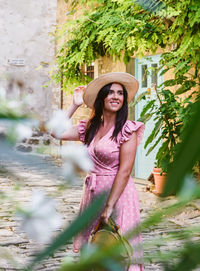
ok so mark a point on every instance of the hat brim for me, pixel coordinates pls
(126, 79)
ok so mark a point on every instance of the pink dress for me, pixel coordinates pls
(105, 156)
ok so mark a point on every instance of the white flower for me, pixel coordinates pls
(78, 155)
(28, 101)
(14, 105)
(41, 218)
(59, 123)
(22, 131)
(69, 169)
(69, 172)
(2, 93)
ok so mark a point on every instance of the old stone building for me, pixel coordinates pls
(27, 53)
(27, 50)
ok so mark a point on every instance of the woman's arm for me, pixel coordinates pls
(72, 133)
(127, 158)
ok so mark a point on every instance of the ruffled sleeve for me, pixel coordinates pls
(130, 127)
(81, 129)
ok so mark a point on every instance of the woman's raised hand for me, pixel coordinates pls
(78, 96)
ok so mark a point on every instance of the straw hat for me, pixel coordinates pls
(126, 79)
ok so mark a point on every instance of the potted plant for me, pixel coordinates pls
(159, 178)
(168, 112)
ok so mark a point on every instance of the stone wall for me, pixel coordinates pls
(26, 44)
(107, 64)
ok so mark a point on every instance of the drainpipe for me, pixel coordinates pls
(61, 91)
(61, 96)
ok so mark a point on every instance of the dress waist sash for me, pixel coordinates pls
(91, 179)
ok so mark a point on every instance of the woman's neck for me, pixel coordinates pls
(109, 119)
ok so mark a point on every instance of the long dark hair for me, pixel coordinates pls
(96, 117)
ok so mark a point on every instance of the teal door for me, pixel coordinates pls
(148, 78)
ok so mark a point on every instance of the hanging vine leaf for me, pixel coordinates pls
(153, 147)
(187, 85)
(154, 133)
(140, 97)
(148, 106)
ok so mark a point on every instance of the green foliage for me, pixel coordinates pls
(188, 148)
(122, 28)
(154, 133)
(140, 97)
(189, 258)
(10, 110)
(109, 28)
(148, 106)
(170, 114)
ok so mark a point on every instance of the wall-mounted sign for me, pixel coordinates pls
(16, 62)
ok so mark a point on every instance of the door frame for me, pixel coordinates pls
(155, 58)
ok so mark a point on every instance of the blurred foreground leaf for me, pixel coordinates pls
(79, 224)
(189, 258)
(99, 257)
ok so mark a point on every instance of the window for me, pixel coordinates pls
(144, 76)
(89, 70)
(154, 74)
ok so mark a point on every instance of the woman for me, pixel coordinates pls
(111, 140)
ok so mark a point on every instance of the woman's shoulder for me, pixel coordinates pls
(132, 126)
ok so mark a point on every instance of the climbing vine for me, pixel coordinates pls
(124, 28)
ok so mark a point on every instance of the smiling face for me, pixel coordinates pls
(114, 101)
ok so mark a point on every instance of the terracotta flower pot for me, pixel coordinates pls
(159, 180)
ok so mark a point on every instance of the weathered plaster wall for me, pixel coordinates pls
(62, 9)
(25, 29)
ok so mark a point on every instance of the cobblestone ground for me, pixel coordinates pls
(18, 180)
